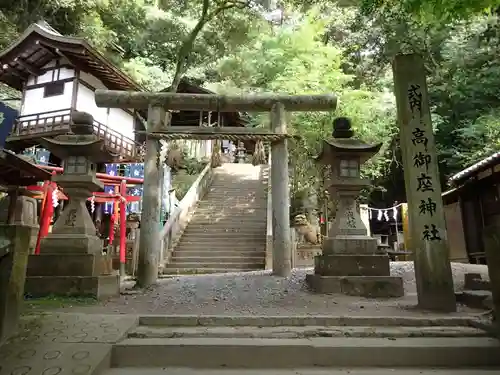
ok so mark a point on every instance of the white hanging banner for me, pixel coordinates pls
(386, 217)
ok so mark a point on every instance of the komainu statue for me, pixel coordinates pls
(310, 233)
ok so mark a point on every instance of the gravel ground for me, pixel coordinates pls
(259, 293)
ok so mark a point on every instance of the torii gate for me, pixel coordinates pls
(158, 103)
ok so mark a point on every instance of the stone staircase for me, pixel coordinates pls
(227, 232)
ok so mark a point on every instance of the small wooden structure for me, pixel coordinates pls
(25, 63)
(16, 170)
(471, 206)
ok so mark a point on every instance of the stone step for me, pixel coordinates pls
(228, 226)
(303, 332)
(220, 232)
(450, 352)
(203, 271)
(216, 264)
(305, 320)
(182, 251)
(251, 209)
(188, 243)
(250, 219)
(301, 371)
(181, 258)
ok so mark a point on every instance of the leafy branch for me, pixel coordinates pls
(206, 17)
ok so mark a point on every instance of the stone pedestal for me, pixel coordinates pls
(14, 250)
(352, 266)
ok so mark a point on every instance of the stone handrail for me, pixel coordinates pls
(177, 222)
(269, 218)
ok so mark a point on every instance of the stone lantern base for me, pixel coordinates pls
(352, 265)
(71, 262)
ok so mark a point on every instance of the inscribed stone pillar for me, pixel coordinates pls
(429, 241)
(282, 246)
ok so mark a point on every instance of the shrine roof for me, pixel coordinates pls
(40, 44)
(481, 165)
(18, 171)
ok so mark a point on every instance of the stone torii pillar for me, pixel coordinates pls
(276, 104)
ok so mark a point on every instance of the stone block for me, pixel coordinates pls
(350, 245)
(363, 286)
(14, 250)
(72, 264)
(352, 265)
(474, 281)
(71, 244)
(99, 287)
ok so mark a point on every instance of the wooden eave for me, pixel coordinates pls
(36, 47)
(17, 171)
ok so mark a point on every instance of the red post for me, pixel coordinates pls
(46, 214)
(123, 225)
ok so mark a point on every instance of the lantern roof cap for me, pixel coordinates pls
(343, 143)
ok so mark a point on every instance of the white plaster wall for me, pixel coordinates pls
(85, 102)
(35, 103)
(114, 118)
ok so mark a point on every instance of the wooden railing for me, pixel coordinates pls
(115, 141)
(44, 122)
(59, 122)
(179, 219)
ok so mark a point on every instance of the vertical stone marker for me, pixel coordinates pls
(423, 190)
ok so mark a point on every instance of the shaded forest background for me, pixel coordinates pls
(301, 47)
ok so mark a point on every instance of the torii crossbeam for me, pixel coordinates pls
(158, 103)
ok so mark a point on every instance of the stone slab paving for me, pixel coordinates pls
(63, 344)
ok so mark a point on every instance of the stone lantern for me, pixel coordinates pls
(71, 259)
(350, 262)
(240, 153)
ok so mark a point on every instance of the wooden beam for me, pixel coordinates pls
(28, 67)
(195, 130)
(217, 103)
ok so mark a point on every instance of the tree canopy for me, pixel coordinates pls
(345, 47)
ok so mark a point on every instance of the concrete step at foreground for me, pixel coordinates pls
(303, 332)
(182, 258)
(449, 352)
(305, 320)
(212, 263)
(300, 371)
